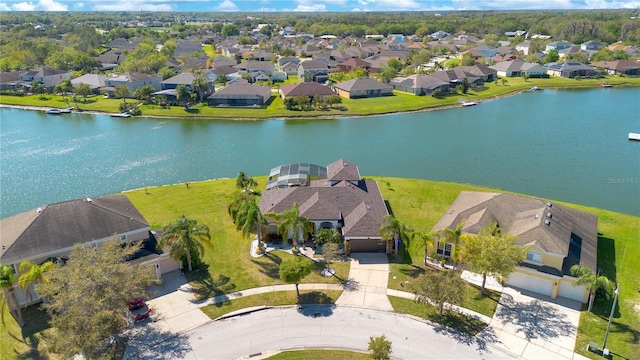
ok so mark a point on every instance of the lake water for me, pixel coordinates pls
(568, 145)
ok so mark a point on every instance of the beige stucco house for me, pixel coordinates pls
(556, 237)
(49, 233)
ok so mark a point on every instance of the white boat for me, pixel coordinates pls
(634, 136)
(121, 115)
(66, 111)
(469, 103)
(53, 112)
(535, 88)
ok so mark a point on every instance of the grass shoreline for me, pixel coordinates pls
(399, 103)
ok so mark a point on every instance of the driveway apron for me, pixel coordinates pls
(367, 284)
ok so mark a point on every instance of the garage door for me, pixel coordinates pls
(571, 292)
(168, 265)
(530, 283)
(367, 245)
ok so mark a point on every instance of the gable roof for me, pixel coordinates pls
(305, 89)
(242, 91)
(64, 224)
(185, 78)
(534, 221)
(362, 84)
(313, 65)
(44, 71)
(357, 202)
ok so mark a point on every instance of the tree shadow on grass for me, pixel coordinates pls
(269, 265)
(192, 111)
(204, 286)
(36, 321)
(464, 330)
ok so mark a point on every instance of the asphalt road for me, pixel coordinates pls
(320, 326)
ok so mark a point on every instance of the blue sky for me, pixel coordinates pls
(308, 5)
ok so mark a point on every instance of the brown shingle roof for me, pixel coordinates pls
(361, 84)
(305, 89)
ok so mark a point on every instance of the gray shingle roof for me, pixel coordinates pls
(64, 224)
(361, 84)
(305, 89)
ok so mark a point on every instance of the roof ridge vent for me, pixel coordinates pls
(549, 215)
(547, 222)
(89, 200)
(537, 216)
(39, 210)
(549, 204)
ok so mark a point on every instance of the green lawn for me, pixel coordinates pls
(460, 322)
(277, 298)
(399, 102)
(321, 355)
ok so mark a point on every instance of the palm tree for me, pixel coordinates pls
(7, 284)
(183, 94)
(426, 239)
(585, 276)
(290, 222)
(186, 238)
(454, 236)
(244, 182)
(199, 83)
(391, 230)
(250, 218)
(38, 88)
(32, 273)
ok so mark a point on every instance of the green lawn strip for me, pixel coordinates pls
(463, 323)
(399, 102)
(401, 277)
(276, 298)
(25, 343)
(320, 355)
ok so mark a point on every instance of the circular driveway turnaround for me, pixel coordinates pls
(328, 326)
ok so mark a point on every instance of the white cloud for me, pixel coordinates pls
(514, 4)
(42, 5)
(132, 5)
(227, 6)
(78, 5)
(606, 4)
(311, 8)
(264, 9)
(4, 7)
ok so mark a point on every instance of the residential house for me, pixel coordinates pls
(244, 95)
(486, 51)
(420, 84)
(570, 69)
(362, 87)
(557, 45)
(49, 77)
(262, 55)
(309, 89)
(10, 80)
(332, 197)
(196, 63)
(519, 68)
(95, 81)
(186, 79)
(556, 237)
(486, 73)
(456, 76)
(111, 59)
(573, 50)
(619, 67)
(49, 233)
(223, 61)
(353, 63)
(439, 35)
(255, 66)
(185, 48)
(313, 70)
(290, 68)
(592, 46)
(524, 47)
(132, 80)
(123, 44)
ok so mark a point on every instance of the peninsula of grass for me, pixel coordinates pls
(277, 298)
(399, 102)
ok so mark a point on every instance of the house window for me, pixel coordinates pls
(534, 257)
(444, 249)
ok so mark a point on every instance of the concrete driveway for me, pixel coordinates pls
(534, 326)
(367, 284)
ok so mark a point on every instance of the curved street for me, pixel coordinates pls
(318, 326)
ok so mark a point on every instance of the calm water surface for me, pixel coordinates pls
(567, 145)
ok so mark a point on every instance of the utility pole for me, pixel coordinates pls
(605, 351)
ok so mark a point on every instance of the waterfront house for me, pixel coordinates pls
(556, 237)
(10, 80)
(309, 89)
(570, 69)
(132, 80)
(619, 67)
(332, 197)
(244, 95)
(313, 70)
(361, 88)
(50, 232)
(47, 76)
(95, 81)
(419, 84)
(519, 68)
